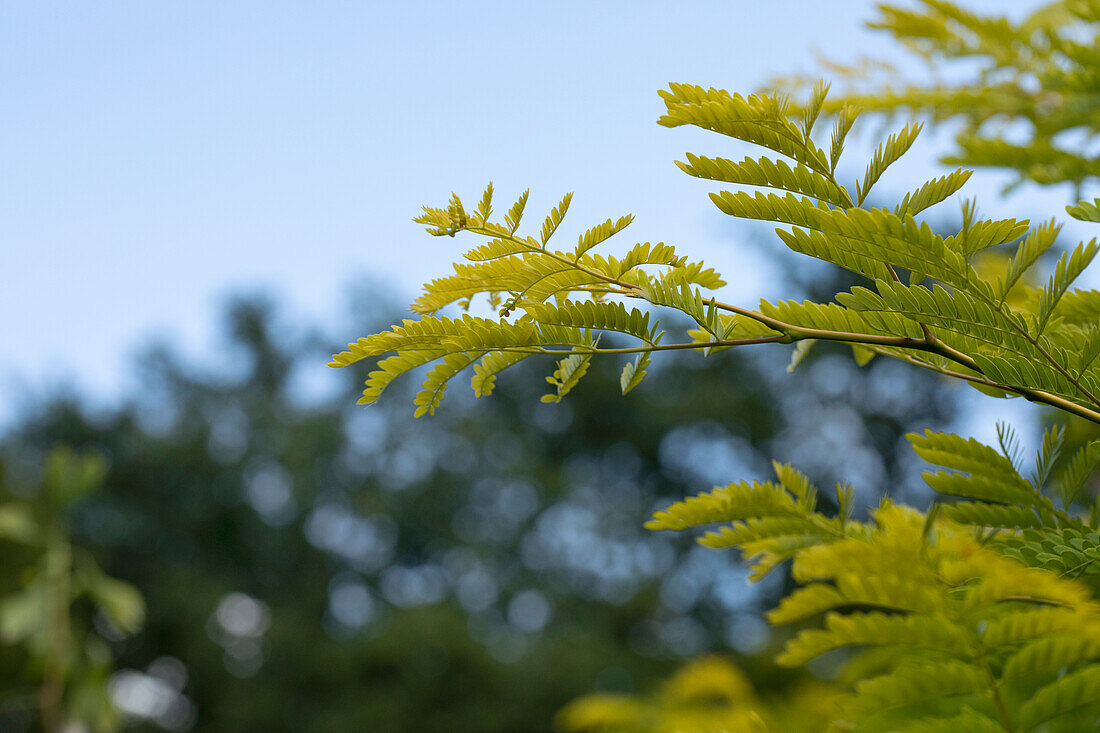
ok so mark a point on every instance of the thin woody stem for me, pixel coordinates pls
(789, 333)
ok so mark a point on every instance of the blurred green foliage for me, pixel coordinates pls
(58, 609)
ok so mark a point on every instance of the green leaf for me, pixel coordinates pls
(813, 107)
(915, 684)
(1069, 268)
(932, 192)
(1077, 471)
(757, 119)
(874, 628)
(512, 218)
(485, 371)
(485, 206)
(1072, 692)
(801, 351)
(862, 354)
(887, 153)
(634, 372)
(842, 124)
(768, 173)
(567, 375)
(1085, 211)
(599, 234)
(723, 504)
(553, 219)
(435, 383)
(1027, 254)
(1047, 455)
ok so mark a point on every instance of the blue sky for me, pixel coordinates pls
(157, 157)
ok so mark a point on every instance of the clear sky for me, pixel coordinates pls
(158, 156)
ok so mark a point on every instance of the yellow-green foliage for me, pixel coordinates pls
(947, 315)
(966, 636)
(1039, 72)
(707, 695)
(981, 615)
(977, 615)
